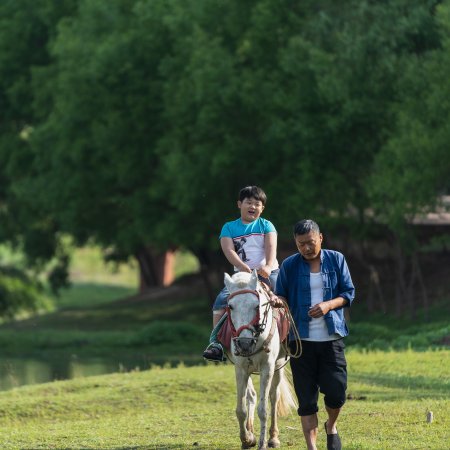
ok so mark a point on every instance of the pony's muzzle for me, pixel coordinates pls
(244, 346)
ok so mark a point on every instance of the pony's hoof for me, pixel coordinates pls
(249, 443)
(274, 443)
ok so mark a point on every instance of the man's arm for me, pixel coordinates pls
(230, 253)
(325, 307)
(345, 293)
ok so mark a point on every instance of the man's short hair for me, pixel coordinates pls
(253, 192)
(305, 226)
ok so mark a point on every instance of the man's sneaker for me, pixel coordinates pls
(214, 352)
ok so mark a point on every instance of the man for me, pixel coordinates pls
(317, 285)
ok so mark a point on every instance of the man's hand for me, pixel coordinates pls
(275, 301)
(319, 310)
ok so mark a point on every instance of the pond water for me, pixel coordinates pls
(16, 372)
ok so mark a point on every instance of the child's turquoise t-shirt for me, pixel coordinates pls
(248, 239)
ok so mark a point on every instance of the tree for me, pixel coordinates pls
(26, 28)
(94, 144)
(412, 169)
(147, 118)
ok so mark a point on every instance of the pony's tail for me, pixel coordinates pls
(287, 400)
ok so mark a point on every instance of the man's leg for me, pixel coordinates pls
(333, 383)
(332, 419)
(310, 427)
(304, 374)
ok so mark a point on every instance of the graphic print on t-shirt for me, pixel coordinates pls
(239, 245)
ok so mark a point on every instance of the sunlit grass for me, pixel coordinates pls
(94, 282)
(184, 408)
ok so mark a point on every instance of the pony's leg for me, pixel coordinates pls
(265, 382)
(251, 403)
(247, 438)
(274, 395)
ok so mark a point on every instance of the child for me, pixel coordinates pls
(248, 243)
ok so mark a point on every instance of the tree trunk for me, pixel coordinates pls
(423, 289)
(155, 268)
(400, 283)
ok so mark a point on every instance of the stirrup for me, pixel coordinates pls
(214, 352)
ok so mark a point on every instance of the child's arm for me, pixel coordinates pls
(230, 253)
(270, 250)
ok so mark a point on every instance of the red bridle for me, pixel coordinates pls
(253, 325)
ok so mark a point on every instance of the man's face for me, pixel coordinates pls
(250, 208)
(309, 244)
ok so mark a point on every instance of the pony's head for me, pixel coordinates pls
(244, 309)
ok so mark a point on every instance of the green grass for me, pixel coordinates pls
(164, 408)
(88, 267)
(184, 408)
(88, 295)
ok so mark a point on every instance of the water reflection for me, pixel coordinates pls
(16, 372)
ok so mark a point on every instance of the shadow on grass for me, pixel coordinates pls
(411, 386)
(102, 308)
(170, 447)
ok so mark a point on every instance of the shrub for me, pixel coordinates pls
(19, 295)
(160, 333)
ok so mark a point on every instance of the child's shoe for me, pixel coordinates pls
(214, 352)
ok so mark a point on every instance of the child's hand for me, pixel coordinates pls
(244, 268)
(264, 271)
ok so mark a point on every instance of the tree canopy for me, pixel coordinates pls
(135, 123)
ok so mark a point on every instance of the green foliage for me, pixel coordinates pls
(170, 334)
(134, 123)
(412, 169)
(20, 296)
(26, 28)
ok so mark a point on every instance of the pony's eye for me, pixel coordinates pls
(230, 306)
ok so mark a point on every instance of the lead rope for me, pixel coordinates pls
(298, 344)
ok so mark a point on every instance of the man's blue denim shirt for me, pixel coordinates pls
(294, 285)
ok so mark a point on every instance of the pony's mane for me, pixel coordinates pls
(241, 279)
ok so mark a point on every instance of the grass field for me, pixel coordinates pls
(187, 408)
(390, 391)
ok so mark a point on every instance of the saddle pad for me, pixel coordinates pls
(282, 322)
(224, 334)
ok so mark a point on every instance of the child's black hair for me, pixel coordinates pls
(253, 192)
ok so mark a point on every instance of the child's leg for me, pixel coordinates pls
(214, 350)
(273, 278)
(217, 315)
(219, 318)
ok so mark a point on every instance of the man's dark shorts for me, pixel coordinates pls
(321, 367)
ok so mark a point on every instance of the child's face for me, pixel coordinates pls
(250, 208)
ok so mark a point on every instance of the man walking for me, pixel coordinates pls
(317, 285)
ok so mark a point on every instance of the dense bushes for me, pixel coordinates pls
(20, 295)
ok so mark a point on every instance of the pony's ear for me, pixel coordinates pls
(228, 282)
(253, 280)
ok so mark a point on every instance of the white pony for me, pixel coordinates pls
(256, 347)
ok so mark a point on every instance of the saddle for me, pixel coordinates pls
(280, 315)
